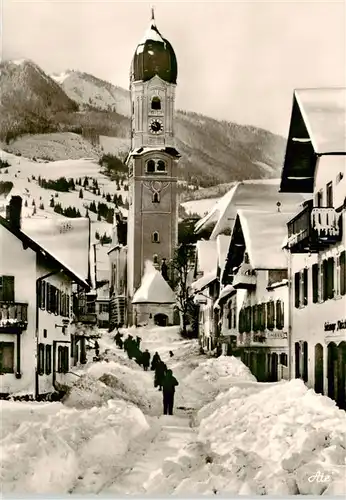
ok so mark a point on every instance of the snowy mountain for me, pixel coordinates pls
(213, 152)
(87, 90)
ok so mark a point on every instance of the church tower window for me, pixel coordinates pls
(155, 259)
(151, 166)
(156, 198)
(156, 237)
(161, 166)
(156, 103)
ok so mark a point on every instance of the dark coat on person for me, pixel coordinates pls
(160, 372)
(155, 361)
(146, 359)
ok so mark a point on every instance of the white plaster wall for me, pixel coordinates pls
(49, 321)
(328, 169)
(144, 311)
(20, 263)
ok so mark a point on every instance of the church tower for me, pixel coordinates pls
(152, 161)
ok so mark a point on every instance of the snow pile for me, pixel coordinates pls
(275, 440)
(48, 456)
(103, 382)
(217, 374)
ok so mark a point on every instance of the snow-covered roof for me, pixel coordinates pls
(324, 114)
(66, 239)
(154, 289)
(227, 290)
(262, 194)
(263, 235)
(222, 243)
(203, 282)
(206, 255)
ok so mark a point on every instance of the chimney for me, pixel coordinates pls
(14, 211)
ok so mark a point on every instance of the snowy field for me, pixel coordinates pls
(229, 434)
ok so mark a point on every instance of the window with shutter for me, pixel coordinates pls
(65, 362)
(305, 287)
(296, 289)
(43, 294)
(6, 357)
(315, 283)
(48, 359)
(330, 278)
(279, 315)
(241, 321)
(40, 366)
(248, 319)
(48, 297)
(263, 316)
(343, 273)
(276, 276)
(325, 280)
(60, 359)
(255, 315)
(7, 288)
(67, 306)
(337, 276)
(270, 315)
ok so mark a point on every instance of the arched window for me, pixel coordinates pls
(156, 103)
(151, 166)
(161, 166)
(156, 198)
(156, 237)
(155, 259)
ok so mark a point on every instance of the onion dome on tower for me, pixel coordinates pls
(154, 56)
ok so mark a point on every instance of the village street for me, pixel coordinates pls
(229, 433)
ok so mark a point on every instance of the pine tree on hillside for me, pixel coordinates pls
(81, 193)
(51, 203)
(26, 203)
(33, 203)
(41, 206)
(86, 182)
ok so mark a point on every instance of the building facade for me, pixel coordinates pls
(35, 312)
(316, 240)
(152, 225)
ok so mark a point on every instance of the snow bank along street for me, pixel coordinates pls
(229, 433)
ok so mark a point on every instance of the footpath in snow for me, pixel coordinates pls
(229, 434)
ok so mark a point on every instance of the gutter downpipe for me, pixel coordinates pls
(38, 281)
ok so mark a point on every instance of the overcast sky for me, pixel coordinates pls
(238, 61)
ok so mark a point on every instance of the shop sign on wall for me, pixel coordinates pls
(335, 327)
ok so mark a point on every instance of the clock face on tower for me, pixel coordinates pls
(156, 126)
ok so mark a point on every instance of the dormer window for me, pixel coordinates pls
(156, 103)
(155, 237)
(155, 166)
(156, 198)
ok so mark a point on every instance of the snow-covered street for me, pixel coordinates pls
(229, 433)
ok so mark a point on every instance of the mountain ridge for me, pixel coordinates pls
(213, 151)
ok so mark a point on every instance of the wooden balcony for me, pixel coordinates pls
(313, 229)
(245, 278)
(13, 317)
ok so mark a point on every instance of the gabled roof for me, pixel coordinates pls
(154, 289)
(260, 194)
(222, 243)
(261, 234)
(68, 240)
(317, 127)
(204, 281)
(39, 249)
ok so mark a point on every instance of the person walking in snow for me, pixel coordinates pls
(155, 361)
(97, 349)
(146, 360)
(169, 384)
(171, 354)
(160, 373)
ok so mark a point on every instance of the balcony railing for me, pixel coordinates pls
(245, 277)
(313, 229)
(13, 317)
